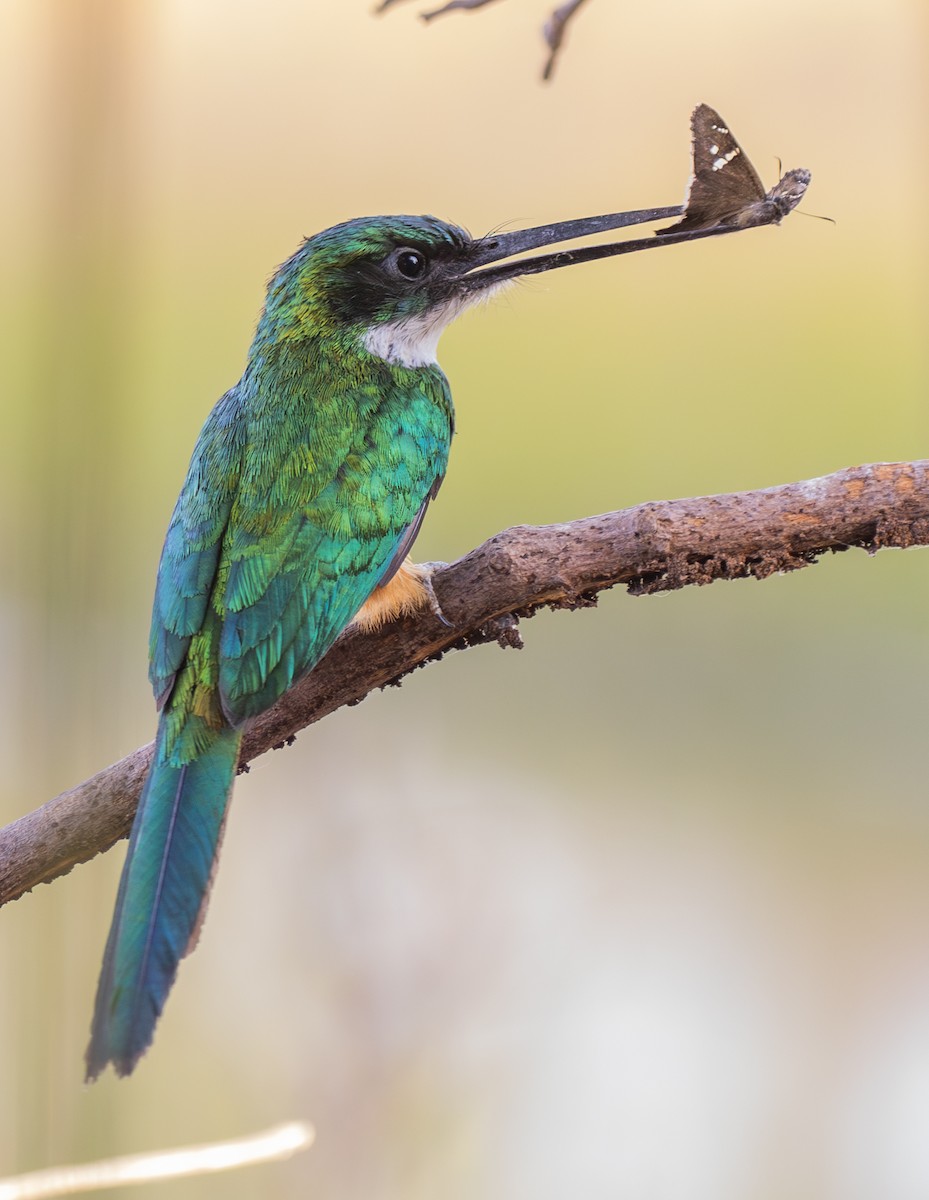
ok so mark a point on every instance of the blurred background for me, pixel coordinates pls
(642, 910)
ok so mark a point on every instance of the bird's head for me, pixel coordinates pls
(390, 285)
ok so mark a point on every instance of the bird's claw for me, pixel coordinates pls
(427, 570)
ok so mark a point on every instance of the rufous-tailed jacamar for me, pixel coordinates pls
(306, 489)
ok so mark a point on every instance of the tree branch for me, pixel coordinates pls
(654, 547)
(271, 1146)
(553, 30)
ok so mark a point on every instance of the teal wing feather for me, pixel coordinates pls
(190, 556)
(295, 573)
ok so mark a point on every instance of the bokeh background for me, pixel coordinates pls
(642, 910)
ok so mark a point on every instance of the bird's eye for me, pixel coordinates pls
(411, 264)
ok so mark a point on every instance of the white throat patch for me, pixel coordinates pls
(412, 341)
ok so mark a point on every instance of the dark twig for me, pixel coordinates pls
(452, 5)
(554, 30)
(654, 547)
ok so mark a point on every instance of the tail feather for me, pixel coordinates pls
(162, 897)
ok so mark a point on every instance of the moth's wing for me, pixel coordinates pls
(723, 180)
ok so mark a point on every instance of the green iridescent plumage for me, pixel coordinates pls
(304, 481)
(305, 491)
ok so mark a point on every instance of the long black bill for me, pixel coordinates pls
(504, 245)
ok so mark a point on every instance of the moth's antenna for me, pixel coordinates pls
(817, 217)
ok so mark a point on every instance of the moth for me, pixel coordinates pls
(725, 189)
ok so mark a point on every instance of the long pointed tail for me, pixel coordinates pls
(162, 896)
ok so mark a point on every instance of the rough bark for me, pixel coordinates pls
(653, 547)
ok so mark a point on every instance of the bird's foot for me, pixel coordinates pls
(427, 571)
(409, 590)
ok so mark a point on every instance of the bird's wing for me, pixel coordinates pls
(189, 558)
(315, 526)
(410, 534)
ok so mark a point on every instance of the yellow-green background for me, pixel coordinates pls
(641, 911)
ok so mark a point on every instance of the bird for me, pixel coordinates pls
(306, 489)
(724, 189)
